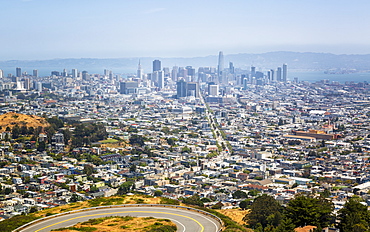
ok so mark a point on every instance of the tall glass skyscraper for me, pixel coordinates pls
(278, 74)
(156, 65)
(285, 70)
(220, 67)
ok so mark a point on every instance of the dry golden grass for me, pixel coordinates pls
(116, 224)
(236, 215)
(11, 119)
(114, 200)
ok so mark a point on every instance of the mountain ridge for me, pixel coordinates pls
(263, 61)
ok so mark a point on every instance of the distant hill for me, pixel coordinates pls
(271, 60)
(11, 119)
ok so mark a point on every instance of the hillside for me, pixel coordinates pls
(15, 222)
(11, 119)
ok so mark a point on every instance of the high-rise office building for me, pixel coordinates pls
(140, 72)
(182, 72)
(285, 70)
(166, 71)
(18, 72)
(253, 71)
(160, 79)
(213, 90)
(193, 89)
(156, 65)
(181, 87)
(191, 73)
(64, 73)
(1, 74)
(272, 74)
(245, 83)
(278, 74)
(85, 76)
(35, 73)
(55, 73)
(74, 73)
(231, 68)
(174, 73)
(154, 77)
(128, 87)
(220, 67)
(38, 86)
(241, 79)
(269, 75)
(27, 83)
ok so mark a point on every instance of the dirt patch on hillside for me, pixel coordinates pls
(11, 119)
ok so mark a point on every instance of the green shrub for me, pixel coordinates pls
(11, 224)
(168, 201)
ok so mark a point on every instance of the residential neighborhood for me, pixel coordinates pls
(181, 136)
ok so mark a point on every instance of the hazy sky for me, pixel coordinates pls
(43, 29)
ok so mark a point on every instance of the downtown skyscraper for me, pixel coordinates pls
(220, 67)
(285, 72)
(156, 65)
(140, 71)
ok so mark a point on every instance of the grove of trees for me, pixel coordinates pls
(267, 214)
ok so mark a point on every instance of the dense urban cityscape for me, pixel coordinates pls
(220, 135)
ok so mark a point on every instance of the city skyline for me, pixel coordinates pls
(109, 29)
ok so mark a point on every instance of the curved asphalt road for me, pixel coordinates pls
(186, 220)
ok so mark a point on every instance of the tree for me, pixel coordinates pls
(218, 205)
(16, 131)
(133, 168)
(6, 137)
(326, 193)
(137, 140)
(126, 187)
(171, 141)
(307, 210)
(193, 200)
(205, 200)
(8, 191)
(245, 204)
(185, 149)
(67, 135)
(286, 225)
(31, 130)
(166, 130)
(88, 170)
(23, 130)
(75, 198)
(354, 216)
(55, 122)
(50, 131)
(264, 210)
(33, 209)
(41, 146)
(158, 193)
(253, 192)
(239, 194)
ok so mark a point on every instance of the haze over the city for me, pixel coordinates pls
(40, 29)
